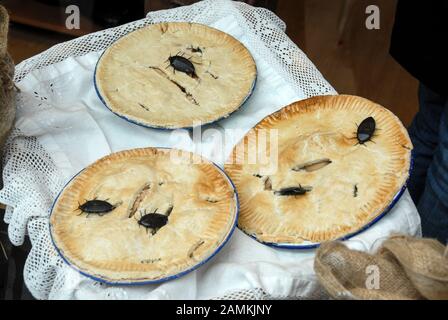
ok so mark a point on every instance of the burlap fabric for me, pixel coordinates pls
(403, 268)
(7, 109)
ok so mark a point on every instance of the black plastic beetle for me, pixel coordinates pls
(154, 220)
(366, 130)
(182, 64)
(95, 206)
(293, 191)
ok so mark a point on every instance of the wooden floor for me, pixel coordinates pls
(356, 63)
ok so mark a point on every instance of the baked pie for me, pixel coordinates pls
(174, 75)
(334, 164)
(143, 215)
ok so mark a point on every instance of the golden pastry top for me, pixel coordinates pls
(197, 198)
(348, 183)
(136, 79)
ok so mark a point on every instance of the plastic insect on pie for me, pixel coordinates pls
(337, 163)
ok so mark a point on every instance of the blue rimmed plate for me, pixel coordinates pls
(134, 79)
(350, 183)
(72, 232)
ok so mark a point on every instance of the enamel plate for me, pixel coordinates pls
(331, 167)
(144, 216)
(175, 75)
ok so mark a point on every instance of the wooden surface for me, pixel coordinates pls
(52, 17)
(41, 15)
(358, 63)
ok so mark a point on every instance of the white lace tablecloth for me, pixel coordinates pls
(62, 126)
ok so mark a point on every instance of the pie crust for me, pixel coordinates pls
(134, 79)
(114, 247)
(356, 185)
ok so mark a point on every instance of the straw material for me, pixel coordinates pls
(403, 268)
(7, 109)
